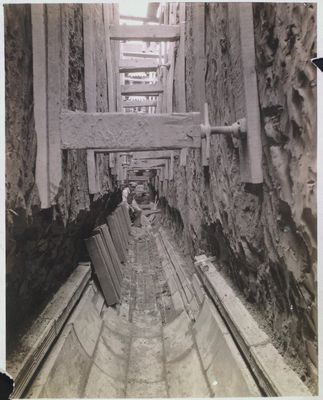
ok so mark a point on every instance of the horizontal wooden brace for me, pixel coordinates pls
(137, 65)
(147, 33)
(138, 103)
(141, 89)
(140, 19)
(140, 54)
(129, 131)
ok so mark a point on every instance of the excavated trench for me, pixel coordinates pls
(152, 344)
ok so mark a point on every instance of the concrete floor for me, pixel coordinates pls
(147, 346)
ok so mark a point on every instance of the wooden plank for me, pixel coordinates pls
(140, 155)
(89, 58)
(171, 166)
(91, 171)
(140, 19)
(40, 101)
(116, 45)
(140, 54)
(140, 80)
(109, 61)
(148, 33)
(97, 253)
(141, 90)
(139, 103)
(180, 65)
(129, 131)
(183, 157)
(54, 88)
(127, 65)
(251, 148)
(199, 68)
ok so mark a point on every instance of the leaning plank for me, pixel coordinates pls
(95, 247)
(138, 103)
(54, 86)
(129, 131)
(148, 33)
(141, 89)
(251, 148)
(40, 101)
(137, 65)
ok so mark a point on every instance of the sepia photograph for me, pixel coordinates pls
(161, 199)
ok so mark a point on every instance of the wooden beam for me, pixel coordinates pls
(147, 164)
(112, 97)
(139, 103)
(141, 90)
(40, 101)
(55, 59)
(140, 54)
(127, 65)
(129, 131)
(148, 33)
(91, 171)
(157, 154)
(89, 58)
(140, 80)
(251, 148)
(140, 19)
(180, 80)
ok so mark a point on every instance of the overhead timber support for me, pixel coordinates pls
(147, 33)
(141, 89)
(129, 131)
(137, 65)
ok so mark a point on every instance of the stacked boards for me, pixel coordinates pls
(107, 248)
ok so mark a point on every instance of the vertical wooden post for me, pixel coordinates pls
(40, 101)
(55, 61)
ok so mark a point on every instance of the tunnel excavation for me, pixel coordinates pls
(161, 221)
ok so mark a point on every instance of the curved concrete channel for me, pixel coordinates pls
(149, 345)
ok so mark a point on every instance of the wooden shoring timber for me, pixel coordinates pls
(129, 131)
(89, 58)
(141, 155)
(98, 255)
(180, 65)
(107, 239)
(127, 65)
(92, 172)
(199, 68)
(57, 28)
(146, 164)
(250, 150)
(183, 157)
(171, 166)
(147, 33)
(139, 103)
(140, 19)
(112, 97)
(116, 237)
(141, 89)
(140, 54)
(40, 101)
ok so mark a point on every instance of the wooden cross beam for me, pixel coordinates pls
(137, 65)
(141, 90)
(139, 103)
(129, 131)
(157, 154)
(147, 164)
(140, 54)
(140, 19)
(147, 33)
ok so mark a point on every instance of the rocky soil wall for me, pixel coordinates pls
(263, 236)
(44, 246)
